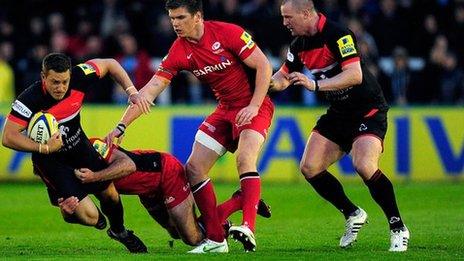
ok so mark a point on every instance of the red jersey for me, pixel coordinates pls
(215, 60)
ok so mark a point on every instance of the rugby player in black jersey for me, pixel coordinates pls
(355, 123)
(61, 92)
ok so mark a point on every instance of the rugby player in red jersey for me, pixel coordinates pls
(225, 57)
(61, 93)
(158, 178)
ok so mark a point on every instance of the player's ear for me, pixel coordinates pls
(42, 75)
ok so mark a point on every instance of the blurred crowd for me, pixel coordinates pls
(413, 47)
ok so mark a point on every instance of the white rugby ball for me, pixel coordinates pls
(41, 127)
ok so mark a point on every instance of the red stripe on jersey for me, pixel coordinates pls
(317, 58)
(284, 68)
(352, 60)
(164, 74)
(371, 113)
(67, 106)
(17, 120)
(94, 65)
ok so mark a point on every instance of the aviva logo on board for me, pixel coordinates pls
(421, 144)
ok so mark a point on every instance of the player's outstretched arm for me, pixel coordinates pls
(120, 166)
(14, 139)
(149, 92)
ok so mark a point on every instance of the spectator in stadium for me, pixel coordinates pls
(60, 92)
(355, 122)
(158, 178)
(218, 54)
(452, 80)
(401, 76)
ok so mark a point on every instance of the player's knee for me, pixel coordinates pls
(365, 168)
(193, 169)
(244, 162)
(310, 170)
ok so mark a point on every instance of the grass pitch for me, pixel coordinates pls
(303, 226)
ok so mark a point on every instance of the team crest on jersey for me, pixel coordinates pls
(346, 45)
(86, 68)
(216, 46)
(246, 37)
(290, 56)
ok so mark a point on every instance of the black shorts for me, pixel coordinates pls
(57, 172)
(343, 129)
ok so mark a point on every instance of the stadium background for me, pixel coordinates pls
(411, 46)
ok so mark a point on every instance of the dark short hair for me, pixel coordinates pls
(57, 62)
(192, 6)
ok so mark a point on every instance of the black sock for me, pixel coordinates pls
(115, 214)
(382, 192)
(101, 223)
(331, 190)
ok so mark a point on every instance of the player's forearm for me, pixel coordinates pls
(121, 77)
(278, 82)
(343, 80)
(263, 79)
(118, 168)
(13, 138)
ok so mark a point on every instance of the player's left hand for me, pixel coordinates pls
(297, 78)
(245, 115)
(86, 175)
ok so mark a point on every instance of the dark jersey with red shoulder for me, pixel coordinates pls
(215, 60)
(35, 98)
(324, 54)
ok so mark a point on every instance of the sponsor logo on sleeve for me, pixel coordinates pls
(22, 109)
(87, 68)
(346, 45)
(290, 56)
(246, 38)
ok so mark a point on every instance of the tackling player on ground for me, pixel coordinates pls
(225, 57)
(356, 121)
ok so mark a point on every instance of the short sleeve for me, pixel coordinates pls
(170, 64)
(24, 107)
(239, 41)
(344, 46)
(84, 75)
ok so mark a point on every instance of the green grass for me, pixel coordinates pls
(302, 226)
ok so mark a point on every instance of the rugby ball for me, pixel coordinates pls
(41, 127)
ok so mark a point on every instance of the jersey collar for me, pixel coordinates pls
(321, 23)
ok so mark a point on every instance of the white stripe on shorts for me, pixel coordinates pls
(207, 141)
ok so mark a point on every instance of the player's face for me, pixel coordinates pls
(56, 83)
(294, 19)
(184, 23)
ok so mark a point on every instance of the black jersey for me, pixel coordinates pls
(66, 111)
(324, 54)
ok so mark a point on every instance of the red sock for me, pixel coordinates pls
(250, 184)
(230, 206)
(205, 199)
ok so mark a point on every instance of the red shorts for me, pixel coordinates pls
(220, 132)
(170, 185)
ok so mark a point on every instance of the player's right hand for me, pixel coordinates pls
(68, 205)
(55, 142)
(141, 101)
(86, 175)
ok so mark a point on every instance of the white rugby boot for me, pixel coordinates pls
(399, 240)
(245, 236)
(352, 226)
(210, 246)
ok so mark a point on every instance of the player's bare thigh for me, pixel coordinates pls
(318, 155)
(200, 161)
(184, 219)
(249, 145)
(366, 153)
